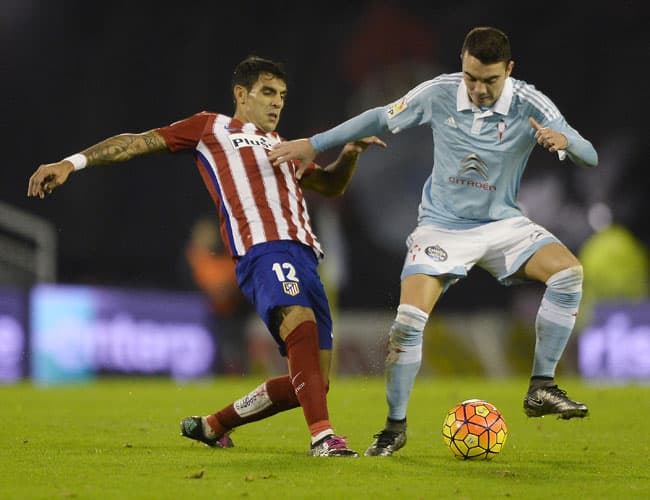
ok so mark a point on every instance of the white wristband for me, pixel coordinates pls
(79, 160)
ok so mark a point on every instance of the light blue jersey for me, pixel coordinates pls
(469, 216)
(479, 154)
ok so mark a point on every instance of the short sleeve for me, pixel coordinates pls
(186, 133)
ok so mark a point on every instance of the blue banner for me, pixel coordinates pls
(616, 346)
(13, 335)
(78, 332)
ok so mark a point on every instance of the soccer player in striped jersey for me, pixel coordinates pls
(485, 124)
(266, 227)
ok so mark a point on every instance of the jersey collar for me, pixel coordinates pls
(463, 102)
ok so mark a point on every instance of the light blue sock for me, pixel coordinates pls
(556, 318)
(404, 358)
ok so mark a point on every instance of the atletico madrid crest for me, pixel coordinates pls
(291, 288)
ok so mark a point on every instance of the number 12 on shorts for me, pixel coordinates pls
(285, 271)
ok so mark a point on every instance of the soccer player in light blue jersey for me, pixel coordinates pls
(485, 124)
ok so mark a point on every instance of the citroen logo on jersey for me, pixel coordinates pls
(473, 163)
(250, 140)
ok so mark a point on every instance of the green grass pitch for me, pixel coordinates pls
(119, 439)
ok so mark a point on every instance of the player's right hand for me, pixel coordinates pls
(548, 138)
(47, 177)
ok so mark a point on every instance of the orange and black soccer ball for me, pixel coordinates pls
(474, 430)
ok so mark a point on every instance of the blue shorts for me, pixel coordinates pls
(284, 273)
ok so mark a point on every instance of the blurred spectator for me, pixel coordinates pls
(616, 269)
(213, 272)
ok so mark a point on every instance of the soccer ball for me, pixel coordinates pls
(474, 430)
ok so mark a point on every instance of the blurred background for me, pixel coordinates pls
(77, 72)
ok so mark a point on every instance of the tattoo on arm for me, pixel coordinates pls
(123, 147)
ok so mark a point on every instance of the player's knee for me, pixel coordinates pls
(565, 287)
(567, 279)
(405, 338)
(408, 326)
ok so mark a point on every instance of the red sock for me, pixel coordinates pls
(273, 396)
(303, 352)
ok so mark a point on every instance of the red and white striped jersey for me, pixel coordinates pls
(256, 201)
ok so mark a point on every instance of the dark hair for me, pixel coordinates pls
(248, 71)
(489, 45)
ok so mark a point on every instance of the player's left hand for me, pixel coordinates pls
(548, 138)
(361, 145)
(298, 149)
(302, 151)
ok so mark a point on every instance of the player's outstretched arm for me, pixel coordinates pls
(334, 178)
(369, 123)
(115, 149)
